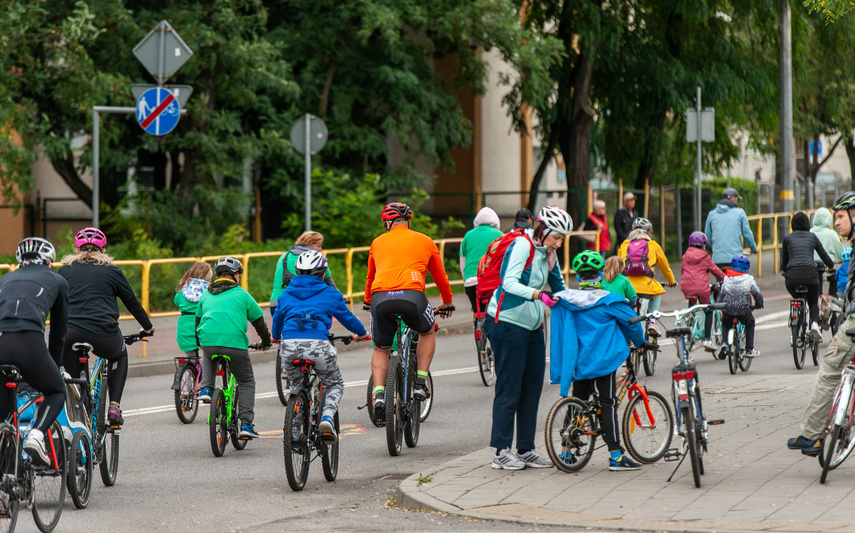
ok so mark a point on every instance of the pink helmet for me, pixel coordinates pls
(90, 236)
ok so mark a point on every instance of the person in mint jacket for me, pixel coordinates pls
(726, 227)
(285, 271)
(514, 325)
(590, 330)
(472, 249)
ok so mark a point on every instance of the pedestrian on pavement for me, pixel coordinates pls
(623, 219)
(523, 220)
(597, 220)
(515, 329)
(285, 270)
(830, 239)
(696, 268)
(836, 356)
(187, 294)
(475, 243)
(726, 227)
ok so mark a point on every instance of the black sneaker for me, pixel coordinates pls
(379, 409)
(421, 392)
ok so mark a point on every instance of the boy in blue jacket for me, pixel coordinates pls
(302, 322)
(589, 343)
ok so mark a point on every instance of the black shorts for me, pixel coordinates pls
(411, 305)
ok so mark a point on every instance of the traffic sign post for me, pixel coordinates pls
(700, 127)
(157, 111)
(308, 131)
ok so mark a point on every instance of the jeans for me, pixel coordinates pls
(747, 321)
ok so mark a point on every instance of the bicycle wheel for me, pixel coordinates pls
(715, 332)
(413, 412)
(690, 322)
(49, 481)
(814, 352)
(427, 404)
(218, 428)
(80, 470)
(799, 343)
(9, 454)
(570, 435)
(692, 443)
(329, 454)
(733, 356)
(486, 363)
(109, 463)
(647, 435)
(295, 441)
(744, 360)
(394, 406)
(283, 386)
(649, 358)
(186, 402)
(369, 402)
(234, 423)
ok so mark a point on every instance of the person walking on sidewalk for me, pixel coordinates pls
(838, 354)
(515, 329)
(696, 268)
(623, 219)
(475, 243)
(726, 227)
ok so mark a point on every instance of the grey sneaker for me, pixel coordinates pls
(506, 461)
(532, 459)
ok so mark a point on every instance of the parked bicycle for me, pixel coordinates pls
(186, 386)
(486, 362)
(839, 437)
(223, 421)
(799, 325)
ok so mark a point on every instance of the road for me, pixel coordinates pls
(170, 481)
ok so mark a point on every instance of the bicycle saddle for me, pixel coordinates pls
(302, 362)
(77, 346)
(801, 288)
(678, 332)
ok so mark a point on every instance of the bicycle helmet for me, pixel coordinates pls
(740, 263)
(642, 223)
(90, 236)
(587, 261)
(228, 265)
(844, 201)
(556, 220)
(846, 254)
(35, 250)
(311, 263)
(396, 211)
(697, 238)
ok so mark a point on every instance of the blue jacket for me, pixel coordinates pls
(311, 302)
(589, 333)
(842, 277)
(726, 226)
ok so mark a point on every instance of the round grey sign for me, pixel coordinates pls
(317, 134)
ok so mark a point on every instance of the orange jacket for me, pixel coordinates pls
(400, 258)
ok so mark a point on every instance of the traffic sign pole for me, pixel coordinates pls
(698, 223)
(308, 171)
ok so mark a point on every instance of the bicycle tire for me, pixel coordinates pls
(186, 398)
(49, 482)
(218, 428)
(234, 424)
(690, 321)
(834, 323)
(9, 455)
(427, 405)
(329, 454)
(798, 344)
(486, 363)
(828, 450)
(297, 458)
(369, 402)
(649, 358)
(716, 331)
(283, 385)
(814, 352)
(732, 357)
(647, 442)
(79, 475)
(692, 443)
(394, 406)
(109, 463)
(569, 429)
(744, 360)
(413, 411)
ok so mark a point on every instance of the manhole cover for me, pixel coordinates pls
(396, 477)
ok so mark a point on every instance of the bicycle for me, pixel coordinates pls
(186, 384)
(839, 438)
(40, 488)
(696, 321)
(73, 420)
(223, 421)
(301, 434)
(737, 354)
(486, 361)
(94, 394)
(283, 386)
(573, 424)
(686, 394)
(798, 324)
(648, 357)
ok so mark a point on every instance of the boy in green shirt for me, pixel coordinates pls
(221, 318)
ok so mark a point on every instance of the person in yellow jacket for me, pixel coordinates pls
(641, 275)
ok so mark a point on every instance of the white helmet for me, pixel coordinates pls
(35, 249)
(642, 223)
(556, 219)
(312, 263)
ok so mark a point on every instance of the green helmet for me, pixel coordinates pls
(587, 261)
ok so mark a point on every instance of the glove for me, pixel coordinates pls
(548, 298)
(650, 347)
(366, 307)
(144, 333)
(266, 344)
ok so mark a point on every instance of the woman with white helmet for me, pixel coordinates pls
(514, 326)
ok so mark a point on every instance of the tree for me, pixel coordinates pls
(832, 10)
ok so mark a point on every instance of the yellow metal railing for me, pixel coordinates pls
(777, 240)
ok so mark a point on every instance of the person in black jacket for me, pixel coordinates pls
(522, 220)
(799, 267)
(94, 283)
(623, 219)
(27, 295)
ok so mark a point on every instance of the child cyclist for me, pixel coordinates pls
(221, 318)
(614, 281)
(736, 291)
(187, 294)
(589, 343)
(696, 268)
(302, 321)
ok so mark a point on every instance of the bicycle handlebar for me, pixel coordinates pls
(134, 337)
(444, 312)
(347, 339)
(677, 313)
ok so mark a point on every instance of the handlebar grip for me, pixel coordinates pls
(636, 319)
(719, 305)
(254, 346)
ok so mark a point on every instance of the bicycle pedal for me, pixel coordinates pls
(672, 454)
(717, 422)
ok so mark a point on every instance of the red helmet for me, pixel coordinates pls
(395, 211)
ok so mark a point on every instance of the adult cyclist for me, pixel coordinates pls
(94, 283)
(397, 263)
(839, 352)
(27, 295)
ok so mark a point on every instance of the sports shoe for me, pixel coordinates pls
(709, 345)
(806, 446)
(35, 447)
(752, 353)
(506, 460)
(567, 457)
(791, 339)
(622, 464)
(327, 430)
(421, 392)
(815, 332)
(247, 431)
(114, 416)
(532, 459)
(379, 409)
(651, 328)
(205, 394)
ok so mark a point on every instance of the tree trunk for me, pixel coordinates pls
(65, 168)
(850, 153)
(541, 169)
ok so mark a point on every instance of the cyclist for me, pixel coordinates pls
(187, 294)
(839, 352)
(799, 268)
(221, 318)
(696, 268)
(308, 240)
(27, 295)
(737, 289)
(614, 281)
(94, 283)
(302, 321)
(822, 228)
(472, 249)
(397, 263)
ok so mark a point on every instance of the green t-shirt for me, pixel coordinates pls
(620, 285)
(185, 334)
(224, 317)
(474, 246)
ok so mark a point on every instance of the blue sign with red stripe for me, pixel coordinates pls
(158, 111)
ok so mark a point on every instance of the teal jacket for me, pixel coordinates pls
(828, 236)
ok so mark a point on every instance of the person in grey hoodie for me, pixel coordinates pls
(726, 227)
(737, 289)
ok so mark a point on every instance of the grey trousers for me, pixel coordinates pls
(241, 368)
(326, 366)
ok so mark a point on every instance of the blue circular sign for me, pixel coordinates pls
(158, 111)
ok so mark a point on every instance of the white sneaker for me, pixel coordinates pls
(506, 460)
(752, 353)
(532, 459)
(791, 339)
(35, 447)
(708, 345)
(815, 332)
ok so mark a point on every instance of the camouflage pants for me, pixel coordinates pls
(324, 355)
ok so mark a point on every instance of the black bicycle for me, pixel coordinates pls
(798, 324)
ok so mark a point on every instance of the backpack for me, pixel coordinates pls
(490, 266)
(638, 259)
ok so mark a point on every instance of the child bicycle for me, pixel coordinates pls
(696, 321)
(186, 386)
(798, 323)
(223, 421)
(735, 350)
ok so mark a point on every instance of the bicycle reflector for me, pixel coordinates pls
(221, 372)
(682, 381)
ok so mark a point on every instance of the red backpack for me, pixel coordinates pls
(490, 266)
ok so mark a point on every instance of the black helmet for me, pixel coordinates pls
(844, 201)
(228, 265)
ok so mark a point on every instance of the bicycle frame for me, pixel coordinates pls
(627, 385)
(222, 370)
(845, 407)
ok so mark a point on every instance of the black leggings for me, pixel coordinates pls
(27, 351)
(111, 348)
(584, 388)
(812, 297)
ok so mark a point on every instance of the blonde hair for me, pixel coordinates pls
(614, 266)
(199, 270)
(92, 256)
(638, 234)
(310, 238)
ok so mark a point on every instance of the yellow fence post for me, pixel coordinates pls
(759, 247)
(775, 244)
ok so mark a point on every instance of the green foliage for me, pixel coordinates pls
(831, 10)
